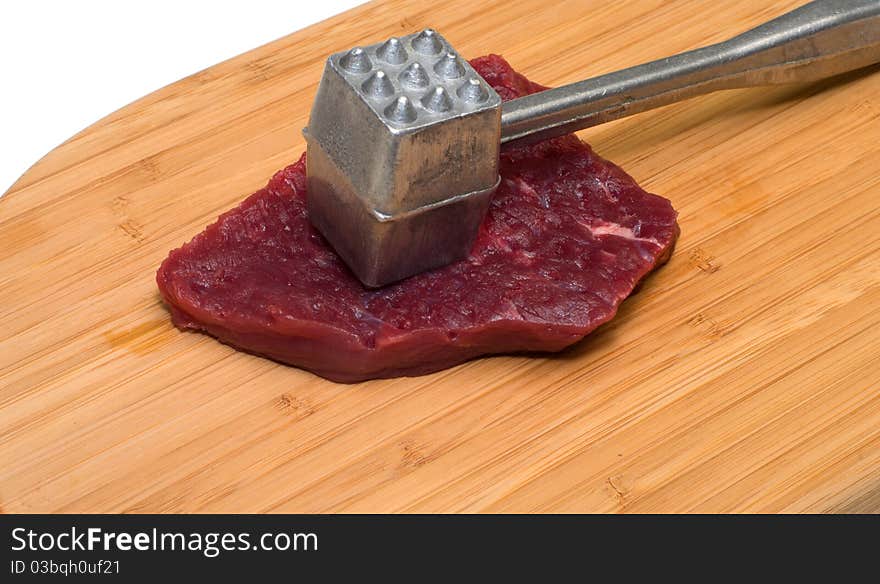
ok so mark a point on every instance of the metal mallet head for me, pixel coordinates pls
(402, 158)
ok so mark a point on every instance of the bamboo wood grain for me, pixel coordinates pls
(743, 377)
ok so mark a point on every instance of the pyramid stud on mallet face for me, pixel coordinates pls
(472, 91)
(401, 110)
(378, 86)
(449, 67)
(356, 61)
(392, 51)
(427, 42)
(437, 100)
(414, 76)
(403, 145)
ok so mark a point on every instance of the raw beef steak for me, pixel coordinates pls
(567, 238)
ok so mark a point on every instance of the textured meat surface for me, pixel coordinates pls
(567, 238)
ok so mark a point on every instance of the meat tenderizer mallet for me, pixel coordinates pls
(404, 136)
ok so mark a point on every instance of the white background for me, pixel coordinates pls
(66, 64)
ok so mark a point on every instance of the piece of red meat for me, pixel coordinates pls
(567, 238)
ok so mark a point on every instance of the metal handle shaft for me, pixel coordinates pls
(818, 40)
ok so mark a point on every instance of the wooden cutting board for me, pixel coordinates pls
(743, 377)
